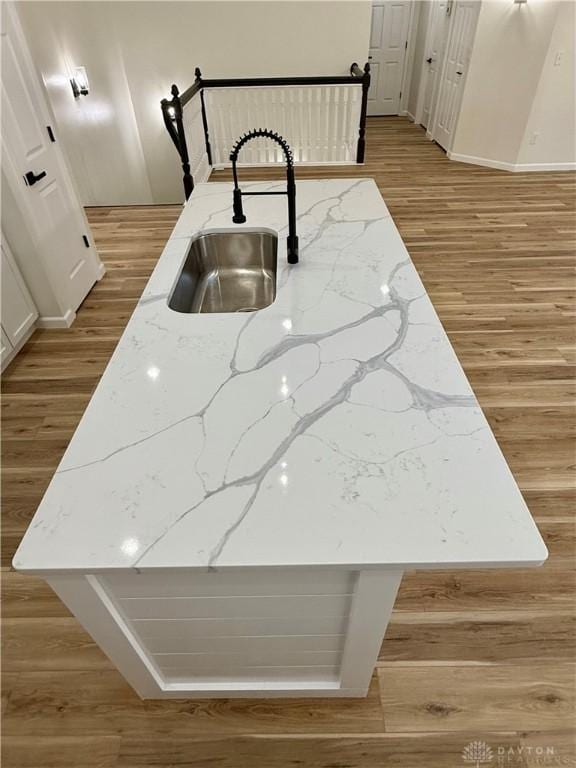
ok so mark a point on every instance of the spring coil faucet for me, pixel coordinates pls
(239, 217)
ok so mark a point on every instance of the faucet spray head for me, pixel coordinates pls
(292, 243)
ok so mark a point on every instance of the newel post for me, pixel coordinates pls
(168, 117)
(362, 129)
(183, 149)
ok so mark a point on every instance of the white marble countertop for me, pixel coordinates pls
(333, 428)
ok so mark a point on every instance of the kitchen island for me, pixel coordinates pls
(235, 510)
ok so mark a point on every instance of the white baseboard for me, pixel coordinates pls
(472, 160)
(545, 167)
(410, 116)
(100, 272)
(65, 321)
(511, 167)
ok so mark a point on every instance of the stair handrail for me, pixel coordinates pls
(172, 109)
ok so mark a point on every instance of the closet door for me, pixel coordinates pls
(459, 49)
(388, 41)
(438, 33)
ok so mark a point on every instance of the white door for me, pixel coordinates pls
(388, 43)
(18, 309)
(436, 39)
(459, 49)
(36, 170)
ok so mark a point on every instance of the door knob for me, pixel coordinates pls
(32, 178)
(429, 60)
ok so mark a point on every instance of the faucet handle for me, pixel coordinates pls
(238, 217)
(292, 245)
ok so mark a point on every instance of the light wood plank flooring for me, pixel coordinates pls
(469, 655)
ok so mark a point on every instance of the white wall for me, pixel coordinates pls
(508, 59)
(134, 51)
(550, 135)
(98, 132)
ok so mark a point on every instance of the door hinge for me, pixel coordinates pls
(50, 133)
(86, 241)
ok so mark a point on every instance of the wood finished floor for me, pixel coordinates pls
(469, 655)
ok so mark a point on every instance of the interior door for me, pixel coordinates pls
(459, 48)
(35, 164)
(388, 42)
(439, 26)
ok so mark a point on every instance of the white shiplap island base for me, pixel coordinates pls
(235, 510)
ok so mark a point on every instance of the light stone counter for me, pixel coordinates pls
(331, 438)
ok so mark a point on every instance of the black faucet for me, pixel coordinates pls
(239, 217)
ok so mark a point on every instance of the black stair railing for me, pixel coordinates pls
(172, 109)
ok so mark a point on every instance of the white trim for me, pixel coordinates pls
(511, 167)
(371, 610)
(94, 603)
(522, 167)
(65, 321)
(265, 690)
(86, 599)
(100, 272)
(472, 160)
(410, 116)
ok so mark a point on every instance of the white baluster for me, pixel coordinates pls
(319, 122)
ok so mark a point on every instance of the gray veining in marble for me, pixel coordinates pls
(335, 427)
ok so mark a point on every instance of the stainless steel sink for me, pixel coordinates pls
(227, 271)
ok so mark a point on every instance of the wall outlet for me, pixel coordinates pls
(533, 137)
